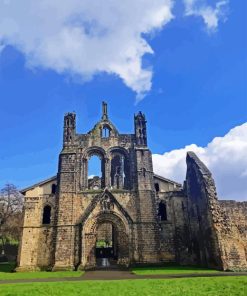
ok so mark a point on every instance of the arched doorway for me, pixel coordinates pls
(105, 236)
(106, 249)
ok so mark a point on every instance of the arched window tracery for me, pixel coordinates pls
(119, 170)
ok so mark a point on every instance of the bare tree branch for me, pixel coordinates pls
(11, 206)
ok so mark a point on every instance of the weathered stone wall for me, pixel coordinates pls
(217, 229)
(203, 212)
(37, 242)
(174, 234)
(146, 226)
(233, 234)
(237, 213)
(45, 252)
(105, 232)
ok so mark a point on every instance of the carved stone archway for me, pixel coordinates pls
(89, 235)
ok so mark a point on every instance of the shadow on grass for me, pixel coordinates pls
(7, 266)
(7, 273)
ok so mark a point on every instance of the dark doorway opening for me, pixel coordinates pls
(106, 248)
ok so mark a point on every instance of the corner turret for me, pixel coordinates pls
(140, 129)
(69, 128)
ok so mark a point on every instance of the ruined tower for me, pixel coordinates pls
(126, 214)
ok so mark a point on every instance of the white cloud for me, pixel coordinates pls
(211, 15)
(86, 37)
(226, 157)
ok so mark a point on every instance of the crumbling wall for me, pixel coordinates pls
(217, 239)
(174, 230)
(233, 234)
(237, 213)
(203, 210)
(37, 242)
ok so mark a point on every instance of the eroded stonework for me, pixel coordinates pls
(128, 215)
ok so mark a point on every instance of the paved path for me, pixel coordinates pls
(120, 275)
(128, 275)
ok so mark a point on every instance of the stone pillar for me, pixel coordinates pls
(85, 173)
(107, 172)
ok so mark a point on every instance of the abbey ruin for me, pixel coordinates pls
(127, 215)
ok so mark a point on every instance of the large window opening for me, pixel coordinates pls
(162, 213)
(95, 172)
(118, 172)
(46, 215)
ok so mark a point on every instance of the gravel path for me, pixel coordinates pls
(120, 275)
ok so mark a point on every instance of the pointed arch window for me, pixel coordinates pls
(117, 171)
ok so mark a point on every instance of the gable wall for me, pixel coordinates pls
(37, 240)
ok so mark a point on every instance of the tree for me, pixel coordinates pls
(11, 205)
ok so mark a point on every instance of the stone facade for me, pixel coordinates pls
(143, 218)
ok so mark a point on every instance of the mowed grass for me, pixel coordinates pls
(7, 274)
(226, 286)
(172, 270)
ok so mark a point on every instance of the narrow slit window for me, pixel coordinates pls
(46, 215)
(53, 188)
(162, 213)
(157, 187)
(105, 132)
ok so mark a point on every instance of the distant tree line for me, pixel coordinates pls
(11, 216)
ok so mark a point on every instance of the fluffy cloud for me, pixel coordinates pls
(86, 37)
(211, 15)
(226, 157)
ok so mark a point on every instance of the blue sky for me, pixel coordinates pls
(198, 92)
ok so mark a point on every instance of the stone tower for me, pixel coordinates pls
(124, 197)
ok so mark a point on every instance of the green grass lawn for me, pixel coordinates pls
(172, 270)
(6, 274)
(226, 286)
